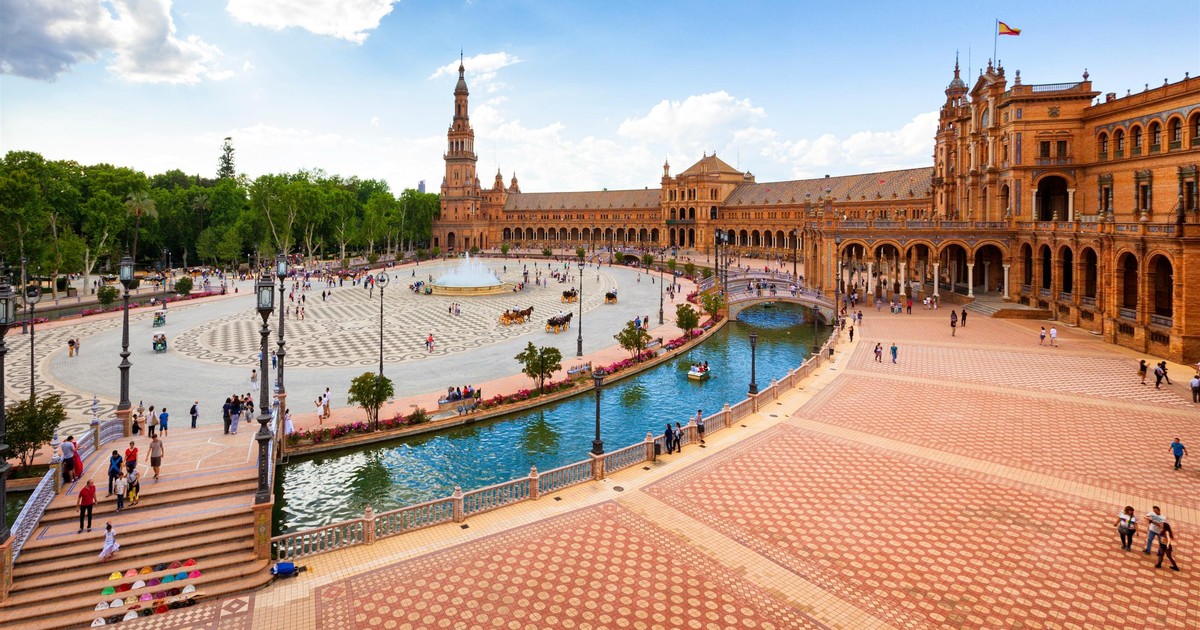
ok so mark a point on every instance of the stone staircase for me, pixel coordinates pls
(202, 516)
(999, 309)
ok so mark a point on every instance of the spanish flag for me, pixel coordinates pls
(1008, 30)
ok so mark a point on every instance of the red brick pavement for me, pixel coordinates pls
(598, 567)
(1124, 449)
(921, 544)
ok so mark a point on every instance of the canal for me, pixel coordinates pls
(323, 489)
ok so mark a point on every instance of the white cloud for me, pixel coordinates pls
(863, 151)
(44, 40)
(480, 70)
(374, 121)
(694, 124)
(350, 20)
(247, 67)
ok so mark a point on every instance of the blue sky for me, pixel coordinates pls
(569, 95)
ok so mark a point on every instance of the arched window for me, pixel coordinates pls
(1119, 139)
(1175, 133)
(1136, 138)
(1103, 145)
(1194, 129)
(1155, 135)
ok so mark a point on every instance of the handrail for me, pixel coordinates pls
(495, 496)
(31, 512)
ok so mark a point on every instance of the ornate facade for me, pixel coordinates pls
(1085, 206)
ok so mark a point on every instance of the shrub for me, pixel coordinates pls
(183, 286)
(546, 251)
(107, 294)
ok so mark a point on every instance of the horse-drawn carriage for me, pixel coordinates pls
(559, 323)
(610, 297)
(515, 316)
(160, 318)
(570, 296)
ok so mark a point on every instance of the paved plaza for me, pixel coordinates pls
(973, 484)
(214, 342)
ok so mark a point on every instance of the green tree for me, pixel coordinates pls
(504, 249)
(647, 260)
(31, 424)
(183, 286)
(686, 317)
(107, 294)
(712, 303)
(546, 251)
(139, 204)
(539, 363)
(225, 167)
(689, 268)
(370, 391)
(580, 253)
(671, 265)
(706, 273)
(633, 339)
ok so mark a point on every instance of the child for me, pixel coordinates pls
(134, 486)
(110, 543)
(120, 486)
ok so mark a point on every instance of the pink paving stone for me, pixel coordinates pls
(767, 480)
(598, 567)
(1121, 449)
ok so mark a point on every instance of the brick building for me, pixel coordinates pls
(1052, 195)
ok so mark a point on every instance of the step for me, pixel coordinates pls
(62, 614)
(64, 512)
(132, 535)
(145, 555)
(35, 589)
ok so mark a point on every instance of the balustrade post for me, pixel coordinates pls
(534, 493)
(6, 566)
(727, 414)
(56, 468)
(753, 402)
(368, 521)
(597, 466)
(262, 529)
(649, 442)
(96, 434)
(457, 501)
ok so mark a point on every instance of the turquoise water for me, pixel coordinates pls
(319, 490)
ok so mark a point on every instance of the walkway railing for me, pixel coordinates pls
(31, 513)
(458, 506)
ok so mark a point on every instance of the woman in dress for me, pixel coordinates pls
(288, 429)
(110, 543)
(78, 459)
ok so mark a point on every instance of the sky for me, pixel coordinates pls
(567, 95)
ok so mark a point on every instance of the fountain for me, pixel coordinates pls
(471, 277)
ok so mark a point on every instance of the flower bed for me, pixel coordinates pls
(320, 434)
(177, 298)
(525, 394)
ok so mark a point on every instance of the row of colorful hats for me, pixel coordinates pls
(134, 600)
(166, 579)
(116, 575)
(183, 601)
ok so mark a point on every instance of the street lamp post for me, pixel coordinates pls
(579, 341)
(281, 270)
(660, 290)
(164, 277)
(125, 407)
(8, 313)
(33, 295)
(753, 348)
(381, 281)
(795, 257)
(265, 290)
(598, 444)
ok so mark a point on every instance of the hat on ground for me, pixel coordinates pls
(116, 575)
(108, 590)
(130, 615)
(102, 606)
(98, 622)
(139, 584)
(190, 588)
(146, 570)
(182, 575)
(175, 565)
(189, 562)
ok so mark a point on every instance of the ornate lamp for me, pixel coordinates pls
(265, 304)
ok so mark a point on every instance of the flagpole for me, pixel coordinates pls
(995, 37)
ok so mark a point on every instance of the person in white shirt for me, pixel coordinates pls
(1127, 527)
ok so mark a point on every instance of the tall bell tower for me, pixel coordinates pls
(460, 200)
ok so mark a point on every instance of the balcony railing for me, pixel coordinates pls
(1174, 144)
(1155, 148)
(1089, 302)
(1044, 293)
(1160, 320)
(1065, 297)
(1053, 161)
(1127, 313)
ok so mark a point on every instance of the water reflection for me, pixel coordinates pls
(321, 490)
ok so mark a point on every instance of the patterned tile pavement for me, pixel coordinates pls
(233, 613)
(925, 545)
(599, 567)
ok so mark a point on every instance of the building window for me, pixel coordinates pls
(1155, 135)
(1119, 138)
(1061, 149)
(1137, 138)
(1103, 145)
(1044, 149)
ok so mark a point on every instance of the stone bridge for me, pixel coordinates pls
(741, 298)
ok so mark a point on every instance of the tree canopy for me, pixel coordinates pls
(539, 363)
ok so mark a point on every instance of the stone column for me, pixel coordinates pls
(937, 277)
(871, 280)
(1070, 204)
(903, 276)
(970, 278)
(1006, 266)
(534, 492)
(987, 267)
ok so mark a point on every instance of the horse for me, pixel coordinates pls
(558, 323)
(570, 296)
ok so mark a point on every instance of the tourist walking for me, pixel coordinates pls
(134, 484)
(953, 323)
(1159, 374)
(86, 501)
(963, 321)
(235, 413)
(1178, 450)
(1196, 388)
(700, 425)
(156, 454)
(879, 353)
(121, 486)
(1042, 337)
(1166, 377)
(131, 457)
(325, 403)
(1166, 547)
(194, 412)
(162, 422)
(114, 469)
(68, 460)
(669, 439)
(111, 546)
(152, 422)
(1054, 336)
(227, 414)
(678, 437)
(1142, 370)
(1127, 527)
(895, 351)
(1156, 520)
(852, 334)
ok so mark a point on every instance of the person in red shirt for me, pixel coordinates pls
(86, 501)
(131, 456)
